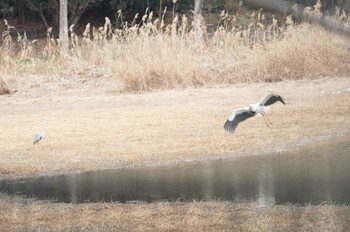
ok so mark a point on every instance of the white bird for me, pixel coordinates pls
(239, 115)
(40, 135)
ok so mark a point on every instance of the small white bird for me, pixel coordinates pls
(239, 115)
(40, 135)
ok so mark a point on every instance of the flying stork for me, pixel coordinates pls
(239, 115)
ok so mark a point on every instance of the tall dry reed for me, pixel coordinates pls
(147, 54)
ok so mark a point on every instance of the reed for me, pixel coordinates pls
(149, 55)
(170, 216)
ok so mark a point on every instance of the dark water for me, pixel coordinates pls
(312, 174)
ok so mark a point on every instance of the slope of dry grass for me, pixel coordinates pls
(195, 216)
(306, 52)
(157, 56)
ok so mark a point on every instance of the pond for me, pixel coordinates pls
(316, 173)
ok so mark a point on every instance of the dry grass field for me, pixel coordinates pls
(102, 131)
(164, 216)
(89, 131)
(151, 95)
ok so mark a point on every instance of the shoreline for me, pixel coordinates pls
(273, 151)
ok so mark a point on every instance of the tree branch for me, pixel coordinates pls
(40, 10)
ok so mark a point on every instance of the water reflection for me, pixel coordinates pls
(313, 174)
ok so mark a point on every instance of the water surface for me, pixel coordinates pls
(314, 173)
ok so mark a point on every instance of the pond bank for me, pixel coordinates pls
(316, 173)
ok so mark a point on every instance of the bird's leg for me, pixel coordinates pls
(267, 121)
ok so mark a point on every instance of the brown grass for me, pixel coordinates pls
(27, 215)
(4, 88)
(89, 132)
(307, 52)
(156, 56)
(88, 128)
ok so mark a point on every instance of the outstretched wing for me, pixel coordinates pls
(271, 99)
(236, 117)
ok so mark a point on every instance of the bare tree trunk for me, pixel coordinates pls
(198, 23)
(63, 34)
(198, 4)
(197, 18)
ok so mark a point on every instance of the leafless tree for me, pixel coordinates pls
(63, 34)
(198, 23)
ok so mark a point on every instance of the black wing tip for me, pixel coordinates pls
(229, 126)
(37, 140)
(273, 98)
(281, 99)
